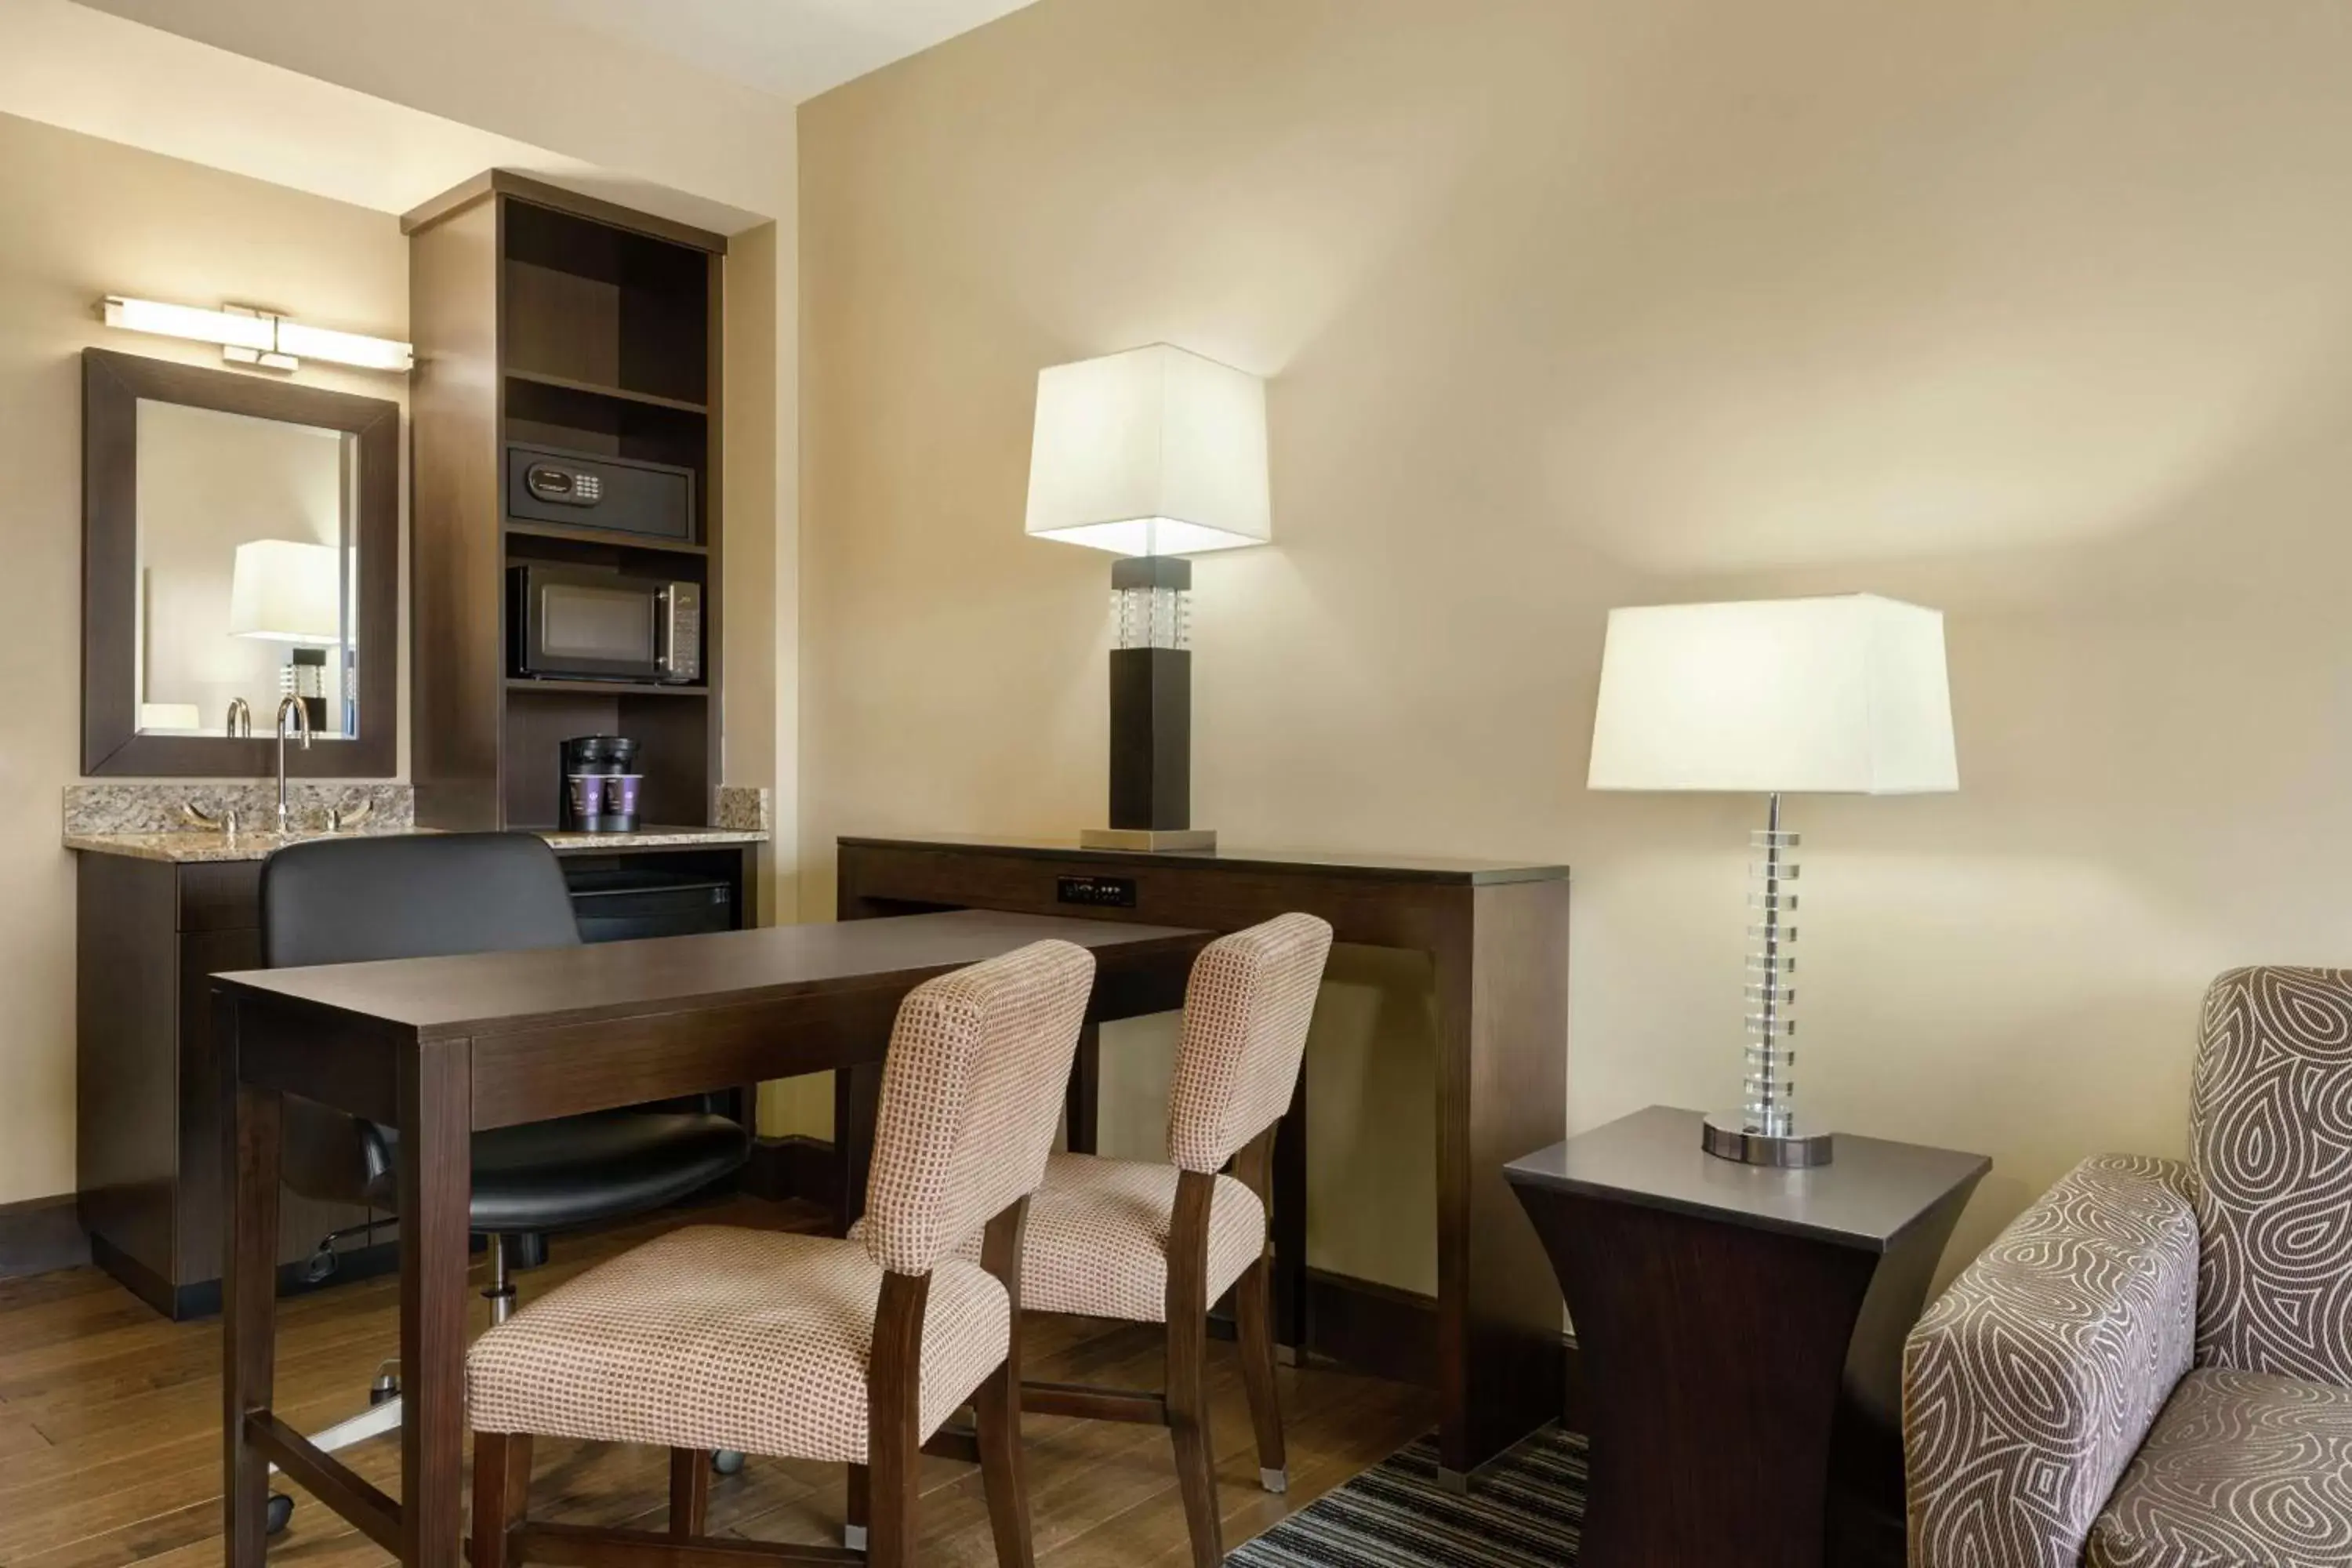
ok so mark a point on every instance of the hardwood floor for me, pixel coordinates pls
(109, 1434)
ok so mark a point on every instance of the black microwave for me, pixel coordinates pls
(587, 622)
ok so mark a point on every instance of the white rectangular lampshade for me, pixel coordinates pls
(1843, 695)
(1155, 451)
(282, 590)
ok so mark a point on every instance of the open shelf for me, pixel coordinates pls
(602, 307)
(560, 322)
(598, 389)
(605, 536)
(605, 687)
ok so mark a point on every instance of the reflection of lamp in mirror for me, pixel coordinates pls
(291, 593)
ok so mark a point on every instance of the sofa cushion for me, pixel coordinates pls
(2270, 1137)
(2242, 1470)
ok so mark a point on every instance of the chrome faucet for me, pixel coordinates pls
(240, 719)
(303, 728)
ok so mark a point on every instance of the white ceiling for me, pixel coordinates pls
(792, 48)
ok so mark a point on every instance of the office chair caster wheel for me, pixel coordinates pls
(727, 1461)
(281, 1509)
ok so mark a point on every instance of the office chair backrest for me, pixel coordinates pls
(339, 900)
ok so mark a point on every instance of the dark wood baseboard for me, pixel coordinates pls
(39, 1235)
(794, 1166)
(202, 1298)
(1392, 1333)
(1359, 1323)
(1377, 1327)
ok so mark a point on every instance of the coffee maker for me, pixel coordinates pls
(600, 784)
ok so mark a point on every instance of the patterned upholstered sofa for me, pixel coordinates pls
(2152, 1368)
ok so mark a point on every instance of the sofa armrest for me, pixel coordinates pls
(2032, 1382)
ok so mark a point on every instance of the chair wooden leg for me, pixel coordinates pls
(501, 1493)
(1001, 1473)
(1188, 1423)
(1188, 1364)
(690, 1491)
(894, 1442)
(1253, 1306)
(857, 1508)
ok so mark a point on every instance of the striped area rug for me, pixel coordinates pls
(1523, 1512)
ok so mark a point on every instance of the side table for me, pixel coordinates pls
(1741, 1331)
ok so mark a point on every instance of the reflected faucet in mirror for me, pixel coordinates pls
(300, 713)
(240, 719)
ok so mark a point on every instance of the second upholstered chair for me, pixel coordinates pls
(806, 1347)
(1158, 1243)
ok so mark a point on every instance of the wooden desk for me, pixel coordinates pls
(1496, 935)
(1742, 1329)
(443, 1047)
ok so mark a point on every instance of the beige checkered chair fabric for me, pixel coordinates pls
(971, 1093)
(1157, 1243)
(715, 1337)
(1247, 1009)
(1099, 1229)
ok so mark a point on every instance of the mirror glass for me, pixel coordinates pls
(248, 573)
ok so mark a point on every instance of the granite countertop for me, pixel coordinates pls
(190, 846)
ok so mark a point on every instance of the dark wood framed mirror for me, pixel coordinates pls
(240, 544)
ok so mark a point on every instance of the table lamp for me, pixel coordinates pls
(286, 592)
(1843, 696)
(1154, 455)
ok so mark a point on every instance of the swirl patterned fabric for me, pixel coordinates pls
(2270, 1132)
(2031, 1381)
(2243, 1468)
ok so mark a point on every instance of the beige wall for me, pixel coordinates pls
(763, 546)
(80, 218)
(2038, 314)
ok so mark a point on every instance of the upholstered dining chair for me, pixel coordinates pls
(808, 1347)
(2152, 1367)
(1153, 1243)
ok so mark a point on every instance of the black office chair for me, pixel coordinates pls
(343, 900)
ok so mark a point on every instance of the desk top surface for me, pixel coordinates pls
(497, 992)
(1392, 868)
(1866, 1195)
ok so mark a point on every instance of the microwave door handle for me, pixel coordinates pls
(666, 631)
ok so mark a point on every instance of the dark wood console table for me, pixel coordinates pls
(1496, 935)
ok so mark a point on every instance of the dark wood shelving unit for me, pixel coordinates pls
(552, 319)
(605, 687)
(596, 389)
(602, 538)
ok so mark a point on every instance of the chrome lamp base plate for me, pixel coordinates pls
(1724, 1135)
(1149, 839)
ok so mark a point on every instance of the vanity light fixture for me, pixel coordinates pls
(253, 337)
